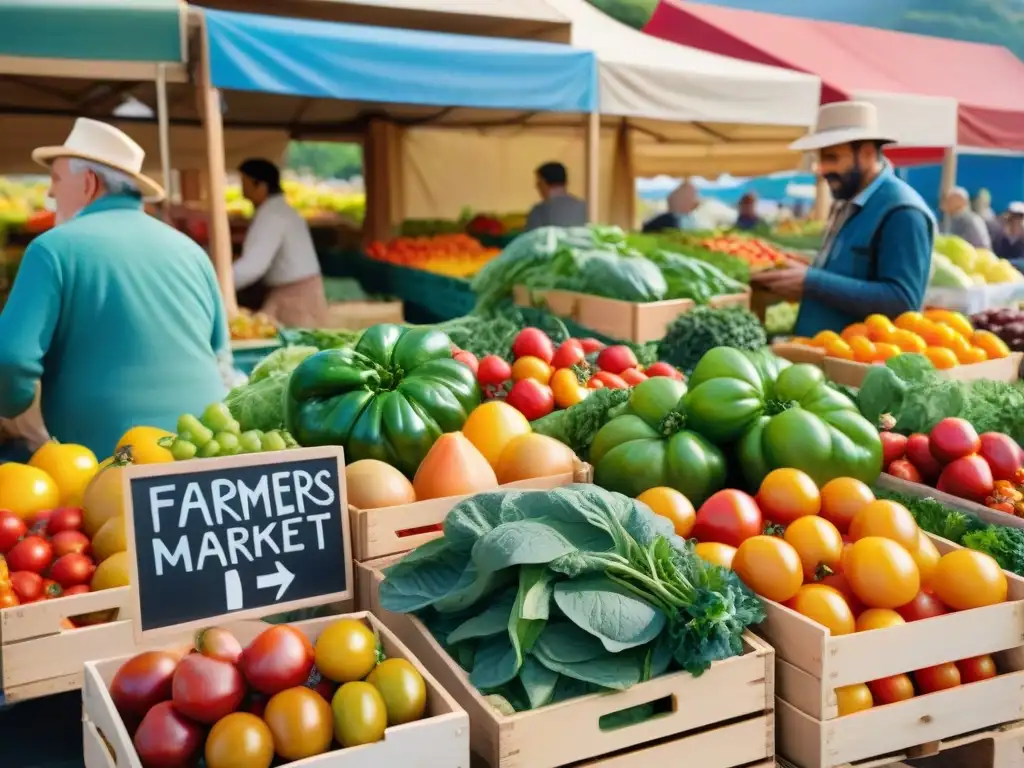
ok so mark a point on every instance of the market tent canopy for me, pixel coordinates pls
(985, 81)
(351, 62)
(100, 30)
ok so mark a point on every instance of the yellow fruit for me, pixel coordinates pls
(71, 467)
(112, 572)
(104, 496)
(109, 539)
(492, 426)
(26, 490)
(143, 442)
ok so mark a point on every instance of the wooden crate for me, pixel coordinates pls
(852, 374)
(811, 664)
(800, 353)
(722, 719)
(441, 739)
(387, 530)
(356, 315)
(979, 511)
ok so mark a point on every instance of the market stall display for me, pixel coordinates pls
(454, 255)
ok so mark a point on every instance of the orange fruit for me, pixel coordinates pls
(941, 357)
(854, 330)
(841, 500)
(885, 350)
(673, 506)
(880, 327)
(878, 618)
(909, 321)
(908, 341)
(972, 355)
(954, 320)
(838, 348)
(939, 335)
(994, 347)
(823, 337)
(863, 349)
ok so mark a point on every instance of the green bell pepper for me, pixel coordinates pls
(388, 398)
(647, 447)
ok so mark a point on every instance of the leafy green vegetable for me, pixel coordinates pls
(577, 425)
(260, 405)
(691, 335)
(321, 339)
(547, 595)
(283, 360)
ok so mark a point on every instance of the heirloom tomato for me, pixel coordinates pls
(728, 517)
(770, 567)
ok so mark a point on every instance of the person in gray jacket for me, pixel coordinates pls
(963, 222)
(557, 207)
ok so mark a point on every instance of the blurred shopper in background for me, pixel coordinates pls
(557, 208)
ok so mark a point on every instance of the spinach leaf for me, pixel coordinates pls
(616, 671)
(494, 620)
(421, 578)
(613, 614)
(494, 663)
(563, 641)
(538, 681)
(530, 612)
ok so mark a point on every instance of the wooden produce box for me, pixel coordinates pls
(980, 511)
(440, 739)
(390, 530)
(357, 315)
(800, 353)
(811, 664)
(722, 719)
(1007, 369)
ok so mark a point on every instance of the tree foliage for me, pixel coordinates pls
(326, 159)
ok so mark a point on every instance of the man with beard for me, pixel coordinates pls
(876, 255)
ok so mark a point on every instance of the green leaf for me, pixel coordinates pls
(494, 663)
(530, 612)
(564, 642)
(614, 615)
(616, 671)
(494, 620)
(538, 681)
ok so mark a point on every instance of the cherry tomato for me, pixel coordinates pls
(889, 520)
(788, 494)
(728, 517)
(881, 573)
(72, 569)
(240, 739)
(713, 552)
(878, 618)
(937, 678)
(280, 657)
(925, 605)
(301, 723)
(818, 543)
(633, 377)
(953, 438)
(824, 605)
(894, 446)
(8, 599)
(468, 359)
(842, 498)
(569, 353)
(926, 556)
(889, 690)
(904, 470)
(610, 380)
(533, 342)
(567, 388)
(51, 590)
(64, 519)
(531, 398)
(854, 698)
(531, 368)
(70, 542)
(769, 566)
(965, 578)
(616, 359)
(976, 668)
(492, 373)
(673, 506)
(591, 345)
(12, 528)
(27, 585)
(663, 369)
(33, 553)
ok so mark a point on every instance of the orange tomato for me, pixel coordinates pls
(966, 579)
(880, 327)
(787, 494)
(994, 347)
(863, 349)
(567, 388)
(823, 337)
(842, 498)
(673, 506)
(969, 355)
(937, 678)
(854, 698)
(954, 320)
(854, 330)
(715, 553)
(976, 668)
(938, 335)
(530, 367)
(889, 690)
(878, 618)
(769, 566)
(838, 348)
(885, 350)
(910, 321)
(818, 543)
(942, 358)
(825, 606)
(881, 573)
(926, 556)
(889, 520)
(908, 341)
(492, 426)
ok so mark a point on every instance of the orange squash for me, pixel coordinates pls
(372, 484)
(533, 455)
(453, 467)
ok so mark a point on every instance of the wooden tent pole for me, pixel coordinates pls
(164, 135)
(593, 166)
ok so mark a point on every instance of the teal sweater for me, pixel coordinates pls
(120, 318)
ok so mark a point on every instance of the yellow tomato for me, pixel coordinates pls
(567, 388)
(530, 367)
(715, 553)
(941, 357)
(994, 347)
(492, 426)
(880, 327)
(885, 350)
(26, 490)
(926, 556)
(878, 618)
(954, 320)
(854, 330)
(971, 355)
(838, 348)
(854, 698)
(673, 506)
(910, 321)
(908, 341)
(863, 349)
(939, 335)
(70, 466)
(823, 337)
(145, 449)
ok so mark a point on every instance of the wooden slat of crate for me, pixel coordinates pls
(734, 689)
(375, 532)
(852, 374)
(800, 353)
(440, 739)
(979, 511)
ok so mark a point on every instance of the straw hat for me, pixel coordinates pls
(106, 145)
(842, 123)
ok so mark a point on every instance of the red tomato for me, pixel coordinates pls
(968, 477)
(51, 590)
(788, 494)
(468, 359)
(616, 359)
(953, 438)
(80, 589)
(591, 345)
(33, 553)
(67, 542)
(492, 373)
(569, 353)
(920, 455)
(728, 517)
(281, 657)
(27, 585)
(73, 569)
(937, 678)
(219, 644)
(531, 398)
(923, 606)
(206, 689)
(533, 342)
(976, 668)
(632, 376)
(610, 380)
(166, 739)
(663, 369)
(141, 683)
(904, 470)
(1002, 453)
(894, 445)
(64, 519)
(891, 689)
(12, 528)
(593, 383)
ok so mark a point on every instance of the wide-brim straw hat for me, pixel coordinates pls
(104, 144)
(843, 122)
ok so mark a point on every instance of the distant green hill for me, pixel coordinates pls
(998, 22)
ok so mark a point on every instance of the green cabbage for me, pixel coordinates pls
(283, 360)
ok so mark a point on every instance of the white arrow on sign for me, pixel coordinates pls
(282, 579)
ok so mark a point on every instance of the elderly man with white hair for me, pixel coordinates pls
(963, 221)
(683, 203)
(115, 314)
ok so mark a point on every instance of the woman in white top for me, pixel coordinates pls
(278, 271)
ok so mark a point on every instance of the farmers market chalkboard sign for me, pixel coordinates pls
(245, 536)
